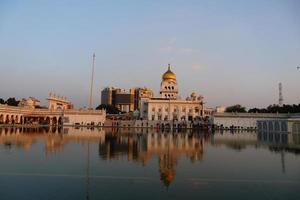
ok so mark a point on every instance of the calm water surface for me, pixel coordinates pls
(80, 163)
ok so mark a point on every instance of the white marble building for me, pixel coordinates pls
(169, 106)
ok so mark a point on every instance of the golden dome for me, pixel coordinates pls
(169, 74)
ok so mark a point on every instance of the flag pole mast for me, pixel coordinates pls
(92, 82)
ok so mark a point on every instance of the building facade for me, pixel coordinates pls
(60, 112)
(119, 98)
(125, 101)
(140, 93)
(247, 120)
(56, 102)
(169, 106)
(31, 102)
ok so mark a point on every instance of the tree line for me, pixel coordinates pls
(11, 101)
(110, 109)
(285, 108)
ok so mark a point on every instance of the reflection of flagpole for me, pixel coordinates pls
(92, 82)
(282, 161)
(88, 172)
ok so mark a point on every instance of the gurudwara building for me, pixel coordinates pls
(169, 106)
(60, 111)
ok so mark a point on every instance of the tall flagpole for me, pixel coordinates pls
(92, 82)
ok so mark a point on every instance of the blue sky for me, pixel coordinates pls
(229, 51)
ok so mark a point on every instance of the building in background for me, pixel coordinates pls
(126, 101)
(31, 102)
(56, 102)
(119, 98)
(220, 109)
(106, 95)
(140, 93)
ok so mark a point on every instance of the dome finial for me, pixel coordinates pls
(169, 74)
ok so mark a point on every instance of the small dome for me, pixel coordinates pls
(193, 94)
(169, 75)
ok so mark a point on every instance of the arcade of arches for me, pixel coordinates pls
(21, 119)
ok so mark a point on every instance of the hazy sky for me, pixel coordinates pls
(229, 51)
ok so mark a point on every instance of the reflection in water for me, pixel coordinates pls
(141, 147)
(55, 138)
(280, 142)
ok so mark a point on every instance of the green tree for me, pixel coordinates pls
(109, 109)
(2, 101)
(236, 108)
(11, 101)
(277, 109)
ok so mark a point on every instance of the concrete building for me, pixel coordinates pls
(126, 101)
(106, 96)
(119, 98)
(169, 106)
(244, 120)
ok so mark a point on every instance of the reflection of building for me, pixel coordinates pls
(280, 131)
(54, 142)
(169, 106)
(235, 140)
(142, 148)
(281, 135)
(167, 165)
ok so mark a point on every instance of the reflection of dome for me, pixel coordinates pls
(167, 164)
(169, 74)
(167, 177)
